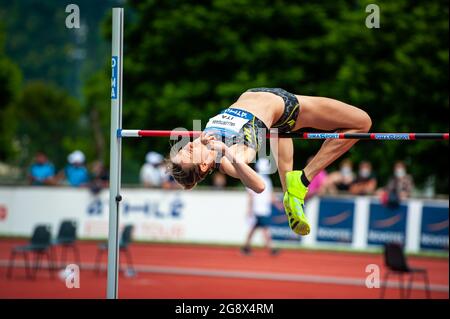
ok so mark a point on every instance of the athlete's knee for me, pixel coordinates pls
(364, 122)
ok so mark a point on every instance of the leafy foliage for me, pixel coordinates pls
(48, 121)
(186, 60)
(10, 81)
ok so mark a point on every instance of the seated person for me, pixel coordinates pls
(399, 186)
(317, 185)
(152, 172)
(41, 171)
(100, 177)
(75, 173)
(340, 180)
(366, 181)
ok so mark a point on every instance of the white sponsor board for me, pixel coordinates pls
(194, 216)
(217, 217)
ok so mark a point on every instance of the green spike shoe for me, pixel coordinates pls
(294, 201)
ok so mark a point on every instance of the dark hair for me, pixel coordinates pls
(187, 177)
(346, 161)
(399, 162)
(365, 163)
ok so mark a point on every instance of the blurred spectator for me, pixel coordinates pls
(41, 171)
(366, 181)
(260, 208)
(318, 183)
(75, 172)
(399, 186)
(219, 180)
(152, 172)
(342, 179)
(169, 182)
(99, 177)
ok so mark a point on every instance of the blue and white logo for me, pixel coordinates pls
(387, 225)
(114, 79)
(336, 220)
(323, 135)
(279, 226)
(434, 229)
(387, 136)
(172, 209)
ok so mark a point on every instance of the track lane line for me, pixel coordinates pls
(254, 275)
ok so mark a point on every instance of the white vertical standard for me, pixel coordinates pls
(361, 222)
(413, 225)
(115, 153)
(312, 213)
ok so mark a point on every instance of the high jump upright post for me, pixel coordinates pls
(115, 153)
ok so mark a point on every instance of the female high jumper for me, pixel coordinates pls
(231, 140)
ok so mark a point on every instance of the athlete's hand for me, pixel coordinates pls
(219, 147)
(205, 138)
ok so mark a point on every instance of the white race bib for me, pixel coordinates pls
(229, 121)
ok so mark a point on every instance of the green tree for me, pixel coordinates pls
(97, 106)
(10, 80)
(398, 74)
(49, 120)
(39, 42)
(185, 60)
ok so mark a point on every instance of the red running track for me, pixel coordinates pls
(188, 271)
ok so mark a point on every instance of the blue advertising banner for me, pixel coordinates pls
(335, 220)
(434, 229)
(386, 225)
(279, 226)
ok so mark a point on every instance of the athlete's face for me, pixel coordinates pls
(195, 153)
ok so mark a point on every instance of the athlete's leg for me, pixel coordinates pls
(249, 237)
(283, 152)
(324, 114)
(267, 238)
(328, 114)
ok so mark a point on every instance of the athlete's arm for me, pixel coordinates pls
(245, 173)
(232, 165)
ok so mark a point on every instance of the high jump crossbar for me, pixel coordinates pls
(117, 133)
(302, 135)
